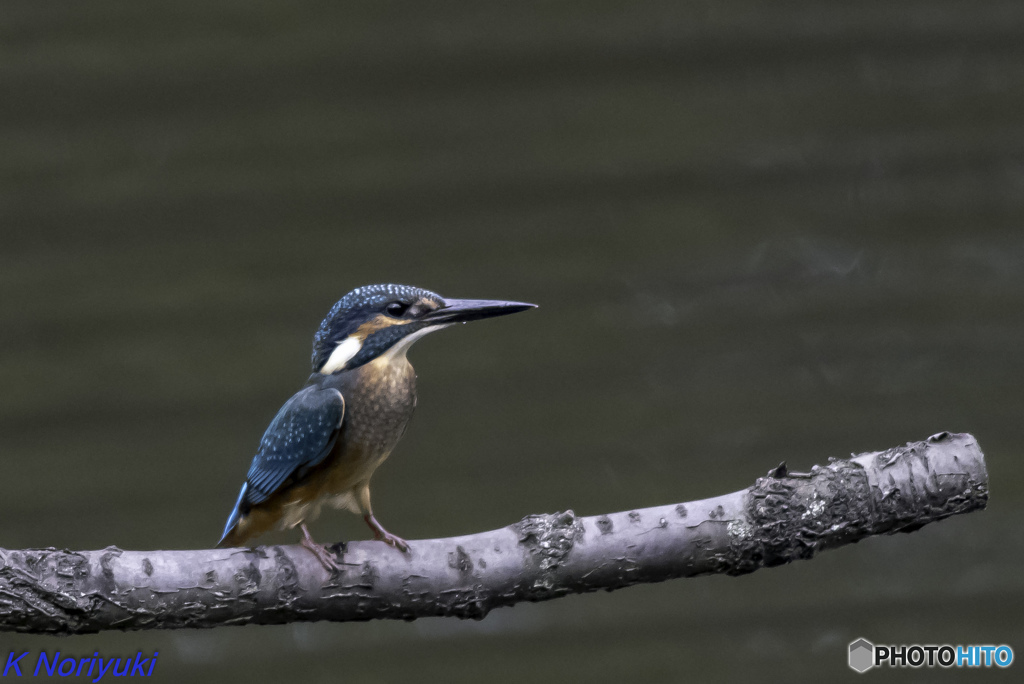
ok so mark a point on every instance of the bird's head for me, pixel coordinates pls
(378, 320)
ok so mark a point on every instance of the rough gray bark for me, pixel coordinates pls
(783, 517)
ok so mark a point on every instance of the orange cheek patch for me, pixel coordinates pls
(378, 322)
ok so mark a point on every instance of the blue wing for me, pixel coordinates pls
(301, 435)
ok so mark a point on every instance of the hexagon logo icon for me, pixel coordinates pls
(862, 655)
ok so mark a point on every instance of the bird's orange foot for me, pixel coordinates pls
(325, 557)
(392, 540)
(380, 534)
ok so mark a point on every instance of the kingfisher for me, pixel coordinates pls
(325, 443)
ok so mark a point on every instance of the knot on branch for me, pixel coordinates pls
(798, 514)
(549, 537)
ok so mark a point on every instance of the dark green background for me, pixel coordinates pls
(757, 232)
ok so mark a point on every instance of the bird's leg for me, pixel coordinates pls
(319, 550)
(362, 492)
(380, 534)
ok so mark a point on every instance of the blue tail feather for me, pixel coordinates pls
(236, 513)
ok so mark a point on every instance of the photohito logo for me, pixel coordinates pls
(865, 655)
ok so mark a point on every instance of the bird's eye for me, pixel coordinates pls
(396, 309)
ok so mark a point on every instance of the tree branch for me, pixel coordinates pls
(783, 517)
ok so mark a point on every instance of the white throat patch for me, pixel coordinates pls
(342, 354)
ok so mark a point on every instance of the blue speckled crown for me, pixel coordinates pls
(354, 308)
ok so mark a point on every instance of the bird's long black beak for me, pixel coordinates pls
(464, 310)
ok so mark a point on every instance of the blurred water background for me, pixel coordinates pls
(757, 232)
